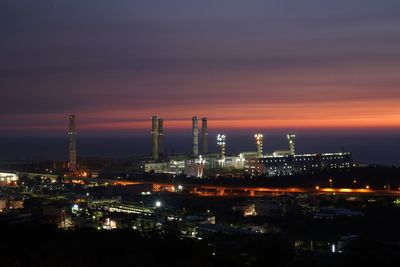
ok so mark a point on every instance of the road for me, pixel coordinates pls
(222, 190)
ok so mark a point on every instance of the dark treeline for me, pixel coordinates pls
(43, 246)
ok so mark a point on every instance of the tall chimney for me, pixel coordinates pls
(161, 137)
(204, 133)
(72, 144)
(154, 137)
(195, 134)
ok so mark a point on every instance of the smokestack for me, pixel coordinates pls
(154, 137)
(204, 134)
(195, 134)
(72, 144)
(160, 137)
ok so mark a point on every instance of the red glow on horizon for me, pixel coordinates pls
(338, 116)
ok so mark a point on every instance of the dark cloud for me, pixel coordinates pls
(99, 56)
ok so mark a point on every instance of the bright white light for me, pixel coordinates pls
(158, 204)
(221, 139)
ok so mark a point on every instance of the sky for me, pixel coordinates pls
(298, 65)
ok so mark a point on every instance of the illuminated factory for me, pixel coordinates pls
(281, 162)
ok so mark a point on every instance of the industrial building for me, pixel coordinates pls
(253, 163)
(303, 163)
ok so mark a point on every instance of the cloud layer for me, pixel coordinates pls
(243, 64)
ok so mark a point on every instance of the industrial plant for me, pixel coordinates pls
(246, 164)
(202, 163)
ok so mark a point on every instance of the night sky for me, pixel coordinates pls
(243, 64)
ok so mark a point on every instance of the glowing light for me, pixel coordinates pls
(221, 139)
(259, 137)
(158, 204)
(345, 190)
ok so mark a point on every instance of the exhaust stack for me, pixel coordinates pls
(154, 137)
(195, 134)
(72, 143)
(204, 135)
(161, 138)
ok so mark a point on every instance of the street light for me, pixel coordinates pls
(331, 182)
(158, 204)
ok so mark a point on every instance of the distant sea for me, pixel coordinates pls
(373, 148)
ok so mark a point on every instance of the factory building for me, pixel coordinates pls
(305, 163)
(253, 167)
(156, 167)
(177, 166)
(254, 163)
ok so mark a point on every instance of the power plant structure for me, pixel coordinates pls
(204, 135)
(291, 139)
(259, 142)
(243, 164)
(154, 139)
(195, 135)
(161, 150)
(221, 142)
(250, 163)
(72, 143)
